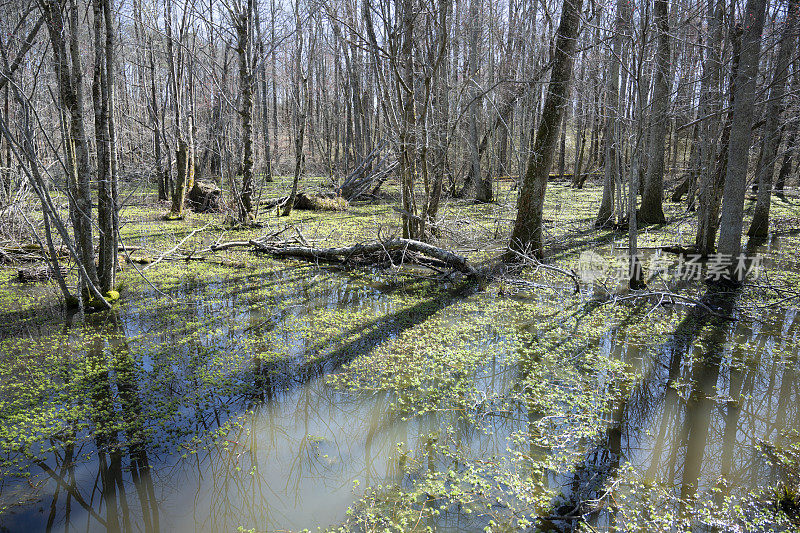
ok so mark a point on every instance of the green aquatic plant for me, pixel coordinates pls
(504, 387)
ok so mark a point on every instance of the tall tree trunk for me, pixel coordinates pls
(580, 130)
(105, 204)
(408, 124)
(6, 172)
(264, 100)
(483, 187)
(611, 137)
(244, 32)
(651, 211)
(771, 138)
(730, 235)
(161, 175)
(112, 142)
(302, 99)
(791, 138)
(527, 234)
(635, 274)
(183, 163)
(274, 61)
(69, 73)
(714, 162)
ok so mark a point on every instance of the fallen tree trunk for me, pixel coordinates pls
(309, 202)
(38, 273)
(394, 251)
(358, 184)
(372, 169)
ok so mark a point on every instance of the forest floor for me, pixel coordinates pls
(404, 398)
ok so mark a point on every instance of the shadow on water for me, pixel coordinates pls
(710, 399)
(236, 364)
(288, 462)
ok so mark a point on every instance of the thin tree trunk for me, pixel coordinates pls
(264, 101)
(303, 100)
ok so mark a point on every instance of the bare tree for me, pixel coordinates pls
(730, 235)
(527, 234)
(651, 211)
(771, 137)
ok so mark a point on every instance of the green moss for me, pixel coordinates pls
(111, 296)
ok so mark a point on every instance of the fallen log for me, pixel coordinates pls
(309, 202)
(315, 202)
(395, 250)
(269, 203)
(38, 273)
(26, 253)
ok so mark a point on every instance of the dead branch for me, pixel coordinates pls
(539, 265)
(672, 296)
(369, 253)
(171, 250)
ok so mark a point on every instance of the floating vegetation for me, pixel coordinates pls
(404, 399)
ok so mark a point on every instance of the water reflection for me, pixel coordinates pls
(289, 462)
(708, 400)
(713, 397)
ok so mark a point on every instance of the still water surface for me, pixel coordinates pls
(709, 400)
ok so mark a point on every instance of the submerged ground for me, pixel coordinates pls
(241, 391)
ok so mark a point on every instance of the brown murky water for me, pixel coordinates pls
(713, 396)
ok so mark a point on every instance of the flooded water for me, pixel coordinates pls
(292, 452)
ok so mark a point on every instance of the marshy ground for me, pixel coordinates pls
(241, 391)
